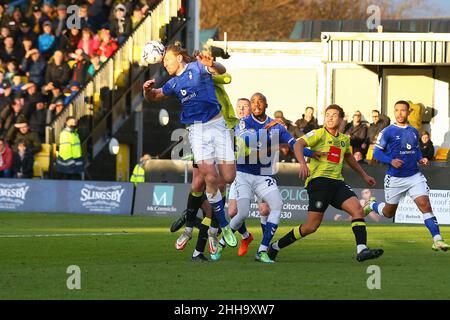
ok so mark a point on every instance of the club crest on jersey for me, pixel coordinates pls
(183, 92)
(190, 75)
(343, 144)
(242, 125)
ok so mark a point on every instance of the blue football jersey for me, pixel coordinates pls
(401, 143)
(257, 138)
(195, 90)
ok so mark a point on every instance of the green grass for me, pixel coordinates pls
(142, 263)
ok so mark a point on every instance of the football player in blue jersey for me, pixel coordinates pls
(262, 135)
(398, 146)
(209, 136)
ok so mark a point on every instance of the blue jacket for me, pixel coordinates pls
(36, 70)
(46, 42)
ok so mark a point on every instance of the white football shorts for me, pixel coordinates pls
(395, 188)
(211, 141)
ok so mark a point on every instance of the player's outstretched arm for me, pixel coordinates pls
(357, 168)
(152, 94)
(213, 66)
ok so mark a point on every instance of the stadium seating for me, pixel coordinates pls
(369, 155)
(441, 154)
(42, 161)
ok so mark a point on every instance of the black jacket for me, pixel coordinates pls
(25, 165)
(59, 75)
(427, 149)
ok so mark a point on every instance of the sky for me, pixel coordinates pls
(439, 8)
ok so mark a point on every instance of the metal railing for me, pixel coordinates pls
(116, 74)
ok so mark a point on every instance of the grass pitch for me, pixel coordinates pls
(122, 257)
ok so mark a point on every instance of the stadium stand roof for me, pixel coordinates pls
(309, 30)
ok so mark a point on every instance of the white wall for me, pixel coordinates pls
(289, 81)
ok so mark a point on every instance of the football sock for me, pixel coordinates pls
(194, 203)
(288, 239)
(433, 226)
(202, 238)
(216, 202)
(359, 229)
(378, 207)
(269, 232)
(263, 222)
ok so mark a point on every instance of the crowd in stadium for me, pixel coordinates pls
(43, 63)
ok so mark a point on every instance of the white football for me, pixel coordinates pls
(152, 52)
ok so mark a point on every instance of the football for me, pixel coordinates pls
(152, 53)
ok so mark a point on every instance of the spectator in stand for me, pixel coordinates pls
(9, 52)
(38, 20)
(6, 98)
(11, 70)
(79, 70)
(26, 33)
(23, 133)
(14, 22)
(38, 118)
(54, 110)
(286, 155)
(426, 146)
(33, 94)
(59, 22)
(74, 88)
(58, 71)
(11, 116)
(97, 14)
(34, 66)
(107, 45)
(4, 33)
(357, 131)
(6, 159)
(69, 40)
(26, 45)
(47, 41)
(2, 14)
(84, 17)
(120, 24)
(17, 83)
(359, 157)
(95, 64)
(293, 130)
(379, 123)
(53, 93)
(88, 43)
(49, 10)
(307, 123)
(23, 161)
(137, 17)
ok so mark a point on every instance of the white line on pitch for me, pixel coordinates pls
(62, 235)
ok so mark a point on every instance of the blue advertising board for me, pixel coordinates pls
(62, 196)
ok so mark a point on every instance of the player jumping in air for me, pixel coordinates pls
(398, 146)
(209, 136)
(325, 185)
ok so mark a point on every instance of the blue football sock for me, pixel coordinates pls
(218, 209)
(263, 227)
(432, 224)
(269, 232)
